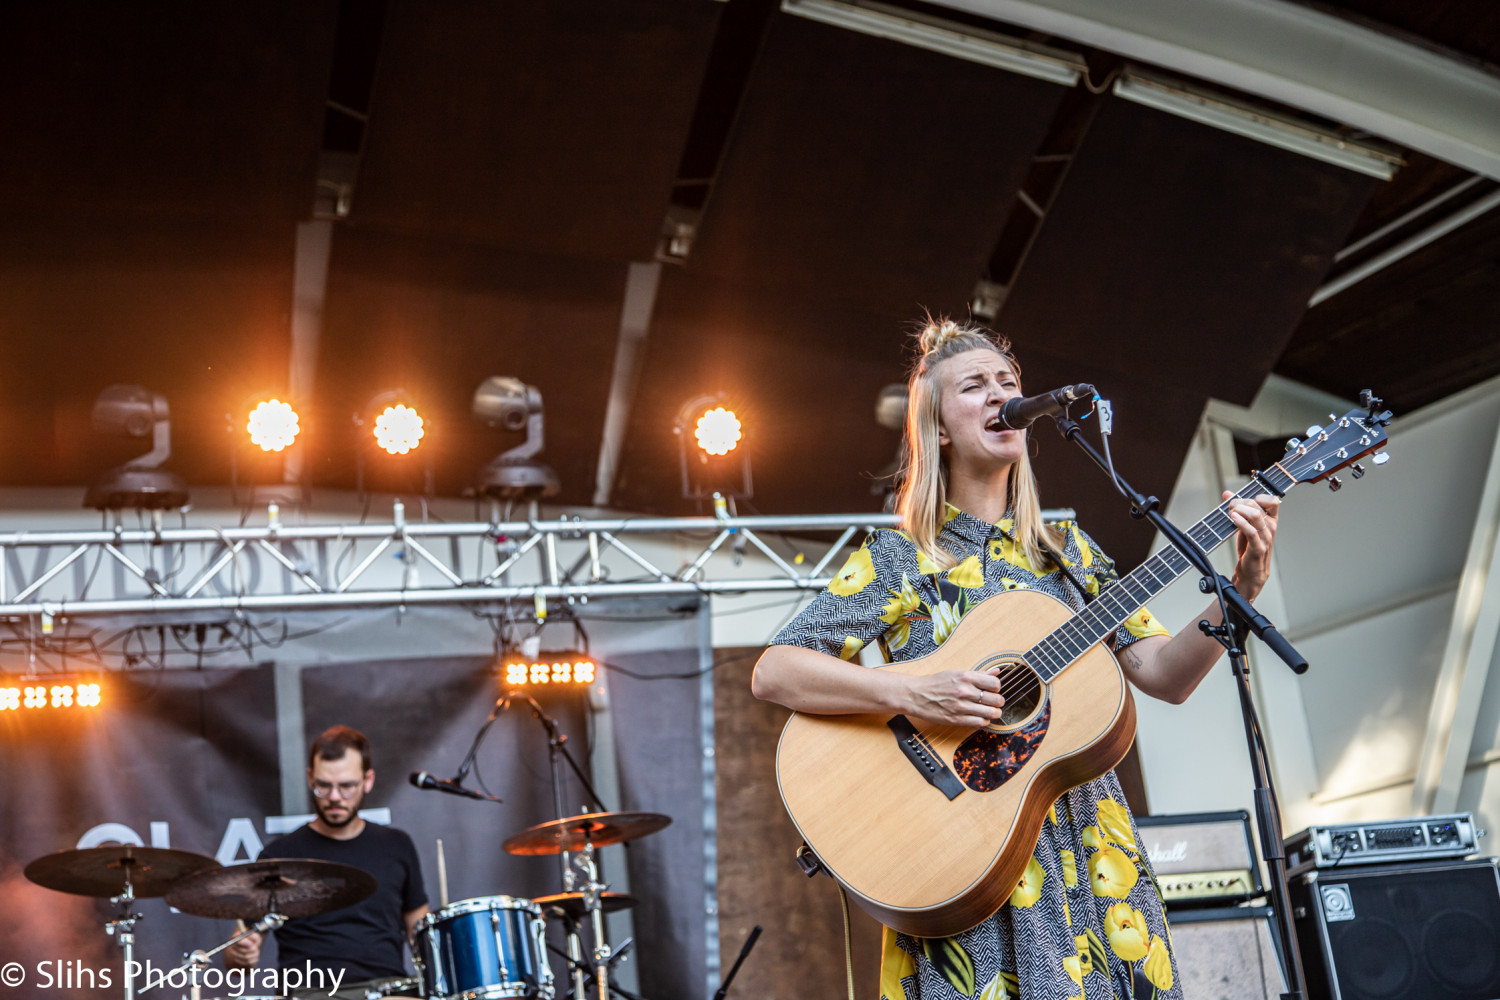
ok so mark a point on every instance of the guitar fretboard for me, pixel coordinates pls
(1114, 605)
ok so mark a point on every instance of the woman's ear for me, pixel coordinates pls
(943, 439)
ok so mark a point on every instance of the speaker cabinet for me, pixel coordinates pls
(1226, 953)
(1400, 932)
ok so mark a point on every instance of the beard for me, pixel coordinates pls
(351, 809)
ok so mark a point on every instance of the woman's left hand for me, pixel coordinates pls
(1256, 520)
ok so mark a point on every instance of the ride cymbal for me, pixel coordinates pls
(292, 887)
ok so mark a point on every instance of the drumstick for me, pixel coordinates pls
(442, 875)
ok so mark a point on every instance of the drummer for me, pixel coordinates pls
(366, 941)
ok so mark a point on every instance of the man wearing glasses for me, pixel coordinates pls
(366, 940)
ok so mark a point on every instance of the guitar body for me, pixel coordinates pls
(932, 854)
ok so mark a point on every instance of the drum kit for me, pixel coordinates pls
(472, 949)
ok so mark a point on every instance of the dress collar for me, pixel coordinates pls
(973, 530)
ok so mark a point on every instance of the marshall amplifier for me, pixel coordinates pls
(1202, 859)
(1427, 931)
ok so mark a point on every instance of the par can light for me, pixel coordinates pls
(272, 425)
(398, 429)
(718, 431)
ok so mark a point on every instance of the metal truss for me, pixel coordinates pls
(282, 567)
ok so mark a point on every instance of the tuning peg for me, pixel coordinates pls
(1358, 471)
(1292, 443)
(1381, 457)
(1313, 431)
(1334, 485)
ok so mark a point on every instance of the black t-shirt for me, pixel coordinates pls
(368, 939)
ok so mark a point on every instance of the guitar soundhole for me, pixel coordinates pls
(1022, 688)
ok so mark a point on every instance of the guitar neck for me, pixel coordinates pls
(1113, 606)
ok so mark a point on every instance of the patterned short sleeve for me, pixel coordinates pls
(1101, 575)
(846, 616)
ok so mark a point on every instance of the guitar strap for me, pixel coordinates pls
(1057, 559)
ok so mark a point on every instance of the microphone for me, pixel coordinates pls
(424, 780)
(1023, 411)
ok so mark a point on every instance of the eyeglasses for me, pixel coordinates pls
(346, 789)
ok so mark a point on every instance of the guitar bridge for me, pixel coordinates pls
(924, 758)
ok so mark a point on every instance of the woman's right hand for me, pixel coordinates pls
(955, 697)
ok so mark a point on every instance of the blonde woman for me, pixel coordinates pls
(1086, 919)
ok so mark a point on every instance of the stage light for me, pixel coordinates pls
(140, 483)
(718, 431)
(398, 429)
(272, 425)
(62, 694)
(715, 430)
(505, 403)
(565, 670)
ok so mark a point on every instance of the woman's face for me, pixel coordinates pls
(972, 387)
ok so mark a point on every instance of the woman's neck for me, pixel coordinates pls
(981, 495)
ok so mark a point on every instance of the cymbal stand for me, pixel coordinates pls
(594, 906)
(122, 929)
(557, 751)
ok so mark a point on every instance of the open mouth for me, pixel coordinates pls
(994, 424)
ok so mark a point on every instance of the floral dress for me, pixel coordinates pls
(1086, 920)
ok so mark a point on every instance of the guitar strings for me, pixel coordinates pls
(1017, 682)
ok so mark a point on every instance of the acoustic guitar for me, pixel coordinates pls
(930, 826)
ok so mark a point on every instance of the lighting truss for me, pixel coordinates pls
(284, 568)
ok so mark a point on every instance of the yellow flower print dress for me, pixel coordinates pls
(1085, 921)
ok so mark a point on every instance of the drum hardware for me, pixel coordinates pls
(196, 962)
(577, 838)
(122, 874)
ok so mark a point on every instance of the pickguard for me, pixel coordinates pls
(986, 760)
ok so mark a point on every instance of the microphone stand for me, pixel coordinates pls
(557, 746)
(1239, 620)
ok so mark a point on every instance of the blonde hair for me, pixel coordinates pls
(922, 493)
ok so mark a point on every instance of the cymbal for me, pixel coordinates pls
(292, 887)
(570, 904)
(574, 832)
(102, 871)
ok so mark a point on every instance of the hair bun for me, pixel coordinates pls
(937, 333)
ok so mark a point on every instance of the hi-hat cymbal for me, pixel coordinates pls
(292, 887)
(571, 904)
(103, 871)
(574, 832)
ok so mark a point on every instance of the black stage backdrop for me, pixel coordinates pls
(188, 759)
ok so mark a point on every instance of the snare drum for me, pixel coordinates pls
(484, 948)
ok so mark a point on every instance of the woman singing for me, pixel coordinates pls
(1085, 920)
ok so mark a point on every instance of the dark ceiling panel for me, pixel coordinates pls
(868, 170)
(1418, 331)
(1174, 265)
(865, 181)
(198, 314)
(549, 127)
(154, 109)
(436, 319)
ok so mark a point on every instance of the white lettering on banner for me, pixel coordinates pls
(240, 833)
(109, 833)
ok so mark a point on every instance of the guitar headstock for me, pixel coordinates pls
(1343, 442)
